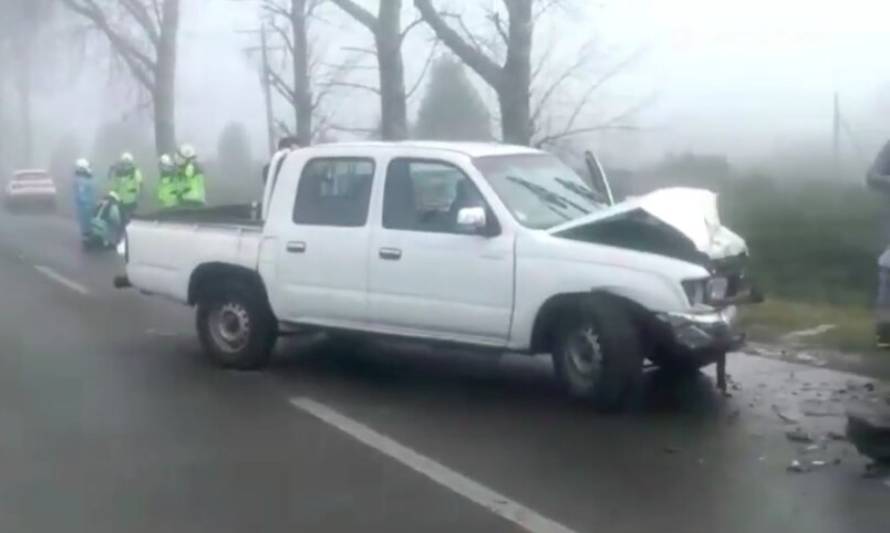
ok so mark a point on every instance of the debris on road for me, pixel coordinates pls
(797, 467)
(868, 428)
(798, 435)
(785, 418)
(834, 435)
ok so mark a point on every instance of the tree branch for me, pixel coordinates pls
(141, 66)
(416, 22)
(282, 87)
(483, 65)
(143, 18)
(426, 67)
(274, 8)
(351, 85)
(359, 13)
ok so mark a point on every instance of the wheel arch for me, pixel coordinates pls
(209, 274)
(554, 308)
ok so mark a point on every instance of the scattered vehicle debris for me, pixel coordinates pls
(785, 418)
(868, 428)
(797, 467)
(798, 435)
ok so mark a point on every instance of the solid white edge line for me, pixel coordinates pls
(62, 280)
(472, 490)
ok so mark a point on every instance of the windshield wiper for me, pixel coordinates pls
(548, 196)
(582, 191)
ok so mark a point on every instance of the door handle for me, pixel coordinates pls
(296, 247)
(390, 254)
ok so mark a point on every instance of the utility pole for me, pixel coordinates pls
(265, 79)
(267, 88)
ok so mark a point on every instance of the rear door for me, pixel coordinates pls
(427, 278)
(322, 247)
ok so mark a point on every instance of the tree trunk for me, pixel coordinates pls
(302, 78)
(514, 91)
(393, 105)
(164, 94)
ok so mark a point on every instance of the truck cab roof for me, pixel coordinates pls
(470, 149)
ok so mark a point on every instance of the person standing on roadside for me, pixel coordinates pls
(878, 179)
(191, 177)
(84, 196)
(126, 183)
(169, 188)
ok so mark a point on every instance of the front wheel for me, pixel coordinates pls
(598, 356)
(236, 327)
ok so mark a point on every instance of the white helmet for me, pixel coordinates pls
(166, 160)
(186, 152)
(82, 164)
(127, 157)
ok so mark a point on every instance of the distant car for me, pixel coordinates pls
(30, 188)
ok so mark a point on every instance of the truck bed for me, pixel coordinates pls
(227, 215)
(165, 248)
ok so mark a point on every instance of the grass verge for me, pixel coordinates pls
(773, 319)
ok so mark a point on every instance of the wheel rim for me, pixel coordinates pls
(585, 352)
(230, 327)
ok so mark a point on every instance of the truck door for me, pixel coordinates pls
(322, 256)
(428, 277)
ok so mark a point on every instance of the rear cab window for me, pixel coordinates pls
(334, 191)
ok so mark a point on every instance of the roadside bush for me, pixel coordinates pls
(812, 241)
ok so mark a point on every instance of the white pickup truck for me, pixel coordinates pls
(487, 246)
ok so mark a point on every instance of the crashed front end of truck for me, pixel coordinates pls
(682, 224)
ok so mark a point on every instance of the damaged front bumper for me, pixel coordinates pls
(709, 332)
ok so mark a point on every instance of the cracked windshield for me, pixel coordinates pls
(553, 266)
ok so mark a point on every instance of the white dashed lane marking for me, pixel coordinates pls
(497, 503)
(62, 280)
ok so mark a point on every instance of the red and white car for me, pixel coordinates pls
(30, 188)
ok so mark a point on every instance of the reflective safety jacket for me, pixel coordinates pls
(192, 179)
(127, 184)
(169, 190)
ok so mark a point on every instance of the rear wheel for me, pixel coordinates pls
(598, 356)
(236, 327)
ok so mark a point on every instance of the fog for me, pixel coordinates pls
(752, 80)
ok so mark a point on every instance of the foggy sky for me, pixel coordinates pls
(722, 76)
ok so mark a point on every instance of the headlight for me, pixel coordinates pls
(695, 291)
(705, 291)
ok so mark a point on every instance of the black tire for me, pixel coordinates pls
(608, 373)
(236, 327)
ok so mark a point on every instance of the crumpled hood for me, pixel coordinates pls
(692, 212)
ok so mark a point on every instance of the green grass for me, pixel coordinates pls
(769, 321)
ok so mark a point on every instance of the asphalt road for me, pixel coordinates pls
(110, 420)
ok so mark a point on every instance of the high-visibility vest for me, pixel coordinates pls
(168, 190)
(192, 179)
(127, 186)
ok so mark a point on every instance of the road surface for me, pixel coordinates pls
(111, 421)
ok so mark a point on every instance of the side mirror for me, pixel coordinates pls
(472, 220)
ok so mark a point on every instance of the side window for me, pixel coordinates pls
(334, 192)
(425, 196)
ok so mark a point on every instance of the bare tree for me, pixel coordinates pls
(510, 80)
(143, 34)
(290, 20)
(548, 125)
(20, 28)
(389, 36)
